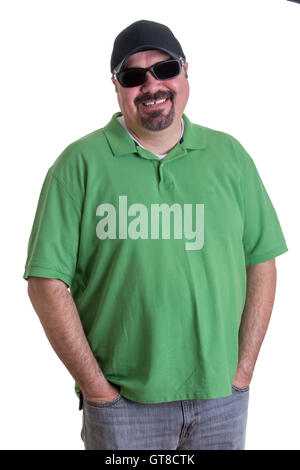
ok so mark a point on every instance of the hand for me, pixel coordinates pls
(107, 393)
(241, 378)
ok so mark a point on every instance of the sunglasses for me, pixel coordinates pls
(136, 76)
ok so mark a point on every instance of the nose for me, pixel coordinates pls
(150, 81)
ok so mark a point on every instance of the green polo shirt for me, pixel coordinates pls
(154, 253)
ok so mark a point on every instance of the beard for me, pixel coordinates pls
(157, 120)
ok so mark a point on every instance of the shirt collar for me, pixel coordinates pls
(121, 143)
(123, 124)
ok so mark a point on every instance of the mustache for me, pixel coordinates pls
(160, 95)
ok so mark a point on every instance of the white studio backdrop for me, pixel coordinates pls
(55, 87)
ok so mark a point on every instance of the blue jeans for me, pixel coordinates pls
(122, 424)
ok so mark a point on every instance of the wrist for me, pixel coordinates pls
(245, 369)
(243, 376)
(95, 387)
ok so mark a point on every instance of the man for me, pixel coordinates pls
(165, 235)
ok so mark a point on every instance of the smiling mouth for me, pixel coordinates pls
(152, 103)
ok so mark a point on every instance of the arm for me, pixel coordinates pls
(59, 317)
(261, 286)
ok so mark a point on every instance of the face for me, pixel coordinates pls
(137, 115)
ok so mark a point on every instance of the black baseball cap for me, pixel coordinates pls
(144, 35)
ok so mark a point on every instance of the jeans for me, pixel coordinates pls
(198, 424)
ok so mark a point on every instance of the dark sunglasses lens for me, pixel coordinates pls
(166, 70)
(131, 78)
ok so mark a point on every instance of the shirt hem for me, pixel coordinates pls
(255, 259)
(186, 396)
(181, 397)
(40, 271)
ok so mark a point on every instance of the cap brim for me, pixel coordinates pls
(145, 47)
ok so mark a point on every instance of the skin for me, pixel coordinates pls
(159, 132)
(261, 287)
(59, 317)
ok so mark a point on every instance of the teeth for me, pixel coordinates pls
(160, 101)
(151, 103)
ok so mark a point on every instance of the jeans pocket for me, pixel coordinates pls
(104, 403)
(240, 389)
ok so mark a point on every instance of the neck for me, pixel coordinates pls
(159, 142)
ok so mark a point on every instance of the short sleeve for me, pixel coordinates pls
(263, 238)
(54, 238)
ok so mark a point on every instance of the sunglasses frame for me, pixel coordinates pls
(180, 61)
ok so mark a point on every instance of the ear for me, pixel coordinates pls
(186, 66)
(115, 83)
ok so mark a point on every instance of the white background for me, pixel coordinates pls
(55, 87)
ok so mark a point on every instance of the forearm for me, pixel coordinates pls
(60, 319)
(261, 286)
